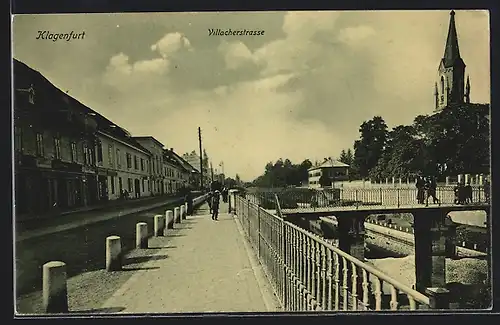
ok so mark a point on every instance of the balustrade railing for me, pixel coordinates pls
(310, 274)
(304, 198)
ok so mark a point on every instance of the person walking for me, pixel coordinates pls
(215, 205)
(224, 194)
(486, 189)
(189, 200)
(209, 201)
(420, 190)
(431, 190)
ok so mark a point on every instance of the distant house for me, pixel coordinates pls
(336, 170)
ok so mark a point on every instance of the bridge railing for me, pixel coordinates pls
(309, 273)
(335, 197)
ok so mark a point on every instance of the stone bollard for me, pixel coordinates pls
(475, 247)
(447, 180)
(460, 177)
(141, 235)
(185, 210)
(169, 216)
(438, 298)
(176, 215)
(467, 178)
(159, 225)
(113, 253)
(463, 244)
(481, 179)
(55, 291)
(182, 211)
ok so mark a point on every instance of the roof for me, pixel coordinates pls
(185, 164)
(148, 137)
(330, 163)
(451, 51)
(60, 99)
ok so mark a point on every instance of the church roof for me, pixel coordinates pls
(451, 51)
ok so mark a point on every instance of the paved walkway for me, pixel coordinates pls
(207, 267)
(84, 218)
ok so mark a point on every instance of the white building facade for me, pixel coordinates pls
(125, 166)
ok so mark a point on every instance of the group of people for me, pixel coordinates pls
(426, 187)
(214, 201)
(463, 193)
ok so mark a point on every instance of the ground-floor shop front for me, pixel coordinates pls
(40, 192)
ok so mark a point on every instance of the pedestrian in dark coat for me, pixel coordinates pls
(431, 190)
(420, 190)
(215, 205)
(189, 200)
(209, 201)
(224, 194)
(468, 193)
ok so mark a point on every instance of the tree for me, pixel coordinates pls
(238, 180)
(349, 157)
(370, 147)
(343, 156)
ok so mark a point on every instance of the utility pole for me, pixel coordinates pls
(212, 171)
(223, 175)
(201, 159)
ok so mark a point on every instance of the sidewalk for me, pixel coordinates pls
(84, 218)
(207, 267)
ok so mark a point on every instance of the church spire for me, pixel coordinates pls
(451, 71)
(451, 50)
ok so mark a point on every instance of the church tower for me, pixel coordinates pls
(449, 88)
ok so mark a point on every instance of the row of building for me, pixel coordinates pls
(67, 155)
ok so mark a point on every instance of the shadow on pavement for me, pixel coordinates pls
(110, 310)
(143, 259)
(140, 268)
(161, 247)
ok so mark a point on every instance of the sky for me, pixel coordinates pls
(300, 90)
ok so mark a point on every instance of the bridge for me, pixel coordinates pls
(351, 207)
(202, 265)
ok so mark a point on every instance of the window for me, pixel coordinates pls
(149, 186)
(136, 162)
(152, 170)
(130, 184)
(99, 153)
(57, 148)
(110, 155)
(442, 85)
(129, 160)
(118, 160)
(112, 184)
(74, 156)
(142, 168)
(88, 155)
(18, 139)
(120, 182)
(143, 188)
(39, 144)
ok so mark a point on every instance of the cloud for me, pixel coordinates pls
(301, 91)
(123, 75)
(246, 125)
(236, 54)
(354, 35)
(171, 43)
